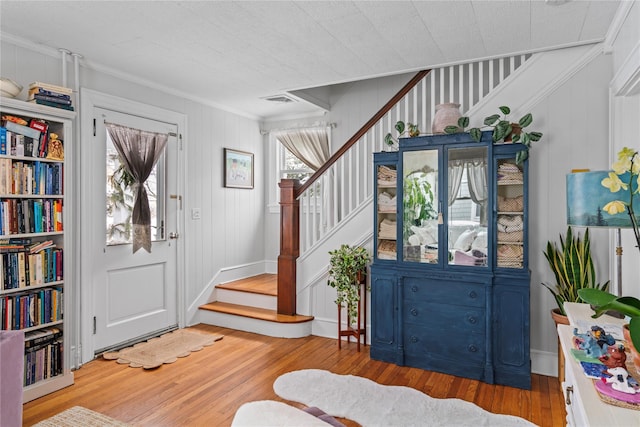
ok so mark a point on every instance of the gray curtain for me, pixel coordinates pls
(477, 180)
(139, 151)
(455, 179)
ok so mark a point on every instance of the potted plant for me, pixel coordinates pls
(624, 179)
(347, 269)
(572, 266)
(503, 130)
(410, 129)
(602, 302)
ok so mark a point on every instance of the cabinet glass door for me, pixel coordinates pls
(386, 215)
(510, 224)
(468, 201)
(420, 206)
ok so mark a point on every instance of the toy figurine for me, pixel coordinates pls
(615, 357)
(618, 381)
(589, 344)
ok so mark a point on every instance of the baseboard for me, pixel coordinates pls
(226, 274)
(544, 363)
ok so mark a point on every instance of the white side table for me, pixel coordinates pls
(584, 407)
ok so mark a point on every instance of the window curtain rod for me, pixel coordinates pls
(266, 132)
(159, 133)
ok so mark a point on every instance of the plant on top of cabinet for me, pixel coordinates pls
(410, 129)
(503, 130)
(572, 267)
(348, 266)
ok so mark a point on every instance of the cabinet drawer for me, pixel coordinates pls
(456, 319)
(443, 292)
(426, 341)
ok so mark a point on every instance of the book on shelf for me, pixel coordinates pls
(51, 87)
(54, 99)
(21, 129)
(41, 145)
(52, 104)
(40, 246)
(3, 140)
(39, 91)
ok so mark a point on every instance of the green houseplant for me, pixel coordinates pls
(625, 179)
(347, 267)
(503, 129)
(572, 266)
(417, 200)
(602, 301)
(410, 129)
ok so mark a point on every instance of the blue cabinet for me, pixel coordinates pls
(450, 278)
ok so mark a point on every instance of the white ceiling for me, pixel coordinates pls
(233, 54)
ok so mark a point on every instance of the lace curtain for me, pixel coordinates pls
(138, 151)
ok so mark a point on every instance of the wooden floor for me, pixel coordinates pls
(207, 387)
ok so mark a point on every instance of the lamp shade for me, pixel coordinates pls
(586, 196)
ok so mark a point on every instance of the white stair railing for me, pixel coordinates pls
(347, 184)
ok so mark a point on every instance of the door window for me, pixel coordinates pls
(120, 198)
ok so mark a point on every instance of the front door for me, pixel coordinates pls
(134, 295)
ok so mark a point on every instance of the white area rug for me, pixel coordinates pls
(269, 413)
(80, 417)
(372, 404)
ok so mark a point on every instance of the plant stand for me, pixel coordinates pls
(361, 327)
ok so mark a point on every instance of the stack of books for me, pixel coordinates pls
(51, 95)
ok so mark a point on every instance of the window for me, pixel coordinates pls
(120, 199)
(291, 167)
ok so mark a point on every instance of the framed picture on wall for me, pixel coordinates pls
(238, 169)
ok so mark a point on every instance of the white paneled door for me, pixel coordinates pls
(134, 294)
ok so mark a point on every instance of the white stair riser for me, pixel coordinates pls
(248, 324)
(247, 298)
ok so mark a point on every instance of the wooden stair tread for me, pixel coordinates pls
(254, 312)
(264, 284)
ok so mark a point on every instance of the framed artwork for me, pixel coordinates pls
(238, 169)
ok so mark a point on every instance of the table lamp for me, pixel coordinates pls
(586, 196)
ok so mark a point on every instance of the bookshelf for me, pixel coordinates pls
(36, 240)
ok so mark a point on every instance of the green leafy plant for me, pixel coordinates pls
(626, 177)
(602, 302)
(417, 201)
(502, 128)
(347, 267)
(572, 266)
(410, 129)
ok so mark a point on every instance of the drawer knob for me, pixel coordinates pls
(473, 294)
(473, 348)
(414, 288)
(414, 339)
(414, 312)
(472, 320)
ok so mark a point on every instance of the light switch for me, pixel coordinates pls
(195, 213)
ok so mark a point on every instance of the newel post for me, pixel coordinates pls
(289, 246)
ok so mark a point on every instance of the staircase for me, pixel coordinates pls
(250, 305)
(309, 229)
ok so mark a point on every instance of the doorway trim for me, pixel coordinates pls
(83, 295)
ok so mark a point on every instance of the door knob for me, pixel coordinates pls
(173, 235)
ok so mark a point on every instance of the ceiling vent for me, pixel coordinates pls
(283, 99)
